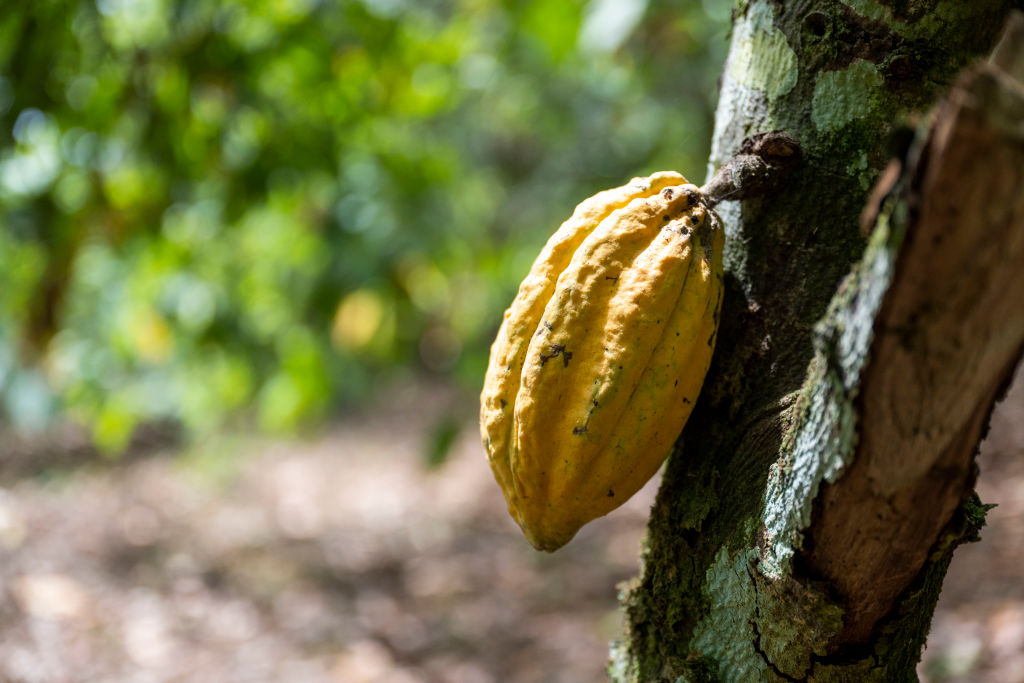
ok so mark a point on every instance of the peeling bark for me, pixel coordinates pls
(805, 523)
(946, 340)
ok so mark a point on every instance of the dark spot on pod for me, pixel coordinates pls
(665, 217)
(548, 325)
(594, 401)
(676, 384)
(556, 350)
(613, 279)
(686, 400)
(579, 430)
(611, 494)
(503, 403)
(692, 197)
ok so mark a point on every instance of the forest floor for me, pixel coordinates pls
(346, 557)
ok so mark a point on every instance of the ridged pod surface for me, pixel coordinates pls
(602, 354)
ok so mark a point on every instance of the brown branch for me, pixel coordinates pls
(762, 164)
(948, 336)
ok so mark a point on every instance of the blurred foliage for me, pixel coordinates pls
(208, 206)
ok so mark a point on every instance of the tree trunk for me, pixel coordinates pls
(805, 523)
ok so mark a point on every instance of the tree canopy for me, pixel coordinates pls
(211, 206)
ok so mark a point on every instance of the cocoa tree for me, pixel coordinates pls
(809, 513)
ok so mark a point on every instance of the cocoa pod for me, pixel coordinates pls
(602, 354)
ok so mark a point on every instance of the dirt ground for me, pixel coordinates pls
(342, 557)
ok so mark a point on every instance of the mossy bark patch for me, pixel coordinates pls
(844, 96)
(762, 58)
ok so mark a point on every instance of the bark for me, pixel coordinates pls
(805, 523)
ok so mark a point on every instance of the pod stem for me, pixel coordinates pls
(762, 164)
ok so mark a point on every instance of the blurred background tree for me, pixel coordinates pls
(265, 209)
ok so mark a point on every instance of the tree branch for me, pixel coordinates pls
(762, 165)
(949, 333)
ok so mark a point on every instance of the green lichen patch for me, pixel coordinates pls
(841, 97)
(860, 169)
(761, 57)
(725, 634)
(795, 623)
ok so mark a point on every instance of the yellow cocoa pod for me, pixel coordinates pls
(602, 354)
